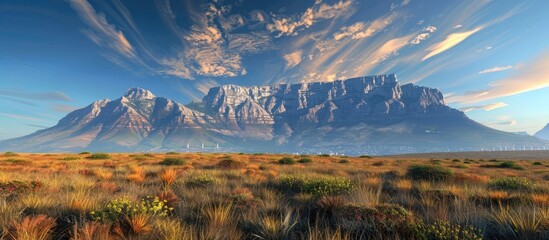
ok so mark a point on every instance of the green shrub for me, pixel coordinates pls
(316, 186)
(10, 154)
(344, 161)
(202, 181)
(508, 164)
(365, 156)
(148, 155)
(173, 161)
(286, 160)
(305, 160)
(511, 184)
(99, 156)
(428, 172)
(69, 158)
(537, 164)
(84, 153)
(17, 186)
(229, 163)
(120, 208)
(172, 153)
(456, 160)
(324, 155)
(512, 165)
(17, 161)
(446, 230)
(385, 221)
(378, 163)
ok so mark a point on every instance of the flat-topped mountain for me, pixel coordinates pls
(372, 114)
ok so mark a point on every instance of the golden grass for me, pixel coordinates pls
(245, 202)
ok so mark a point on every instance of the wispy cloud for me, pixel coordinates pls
(19, 116)
(101, 31)
(42, 96)
(496, 69)
(450, 41)
(530, 77)
(424, 35)
(287, 26)
(293, 59)
(63, 108)
(487, 107)
(361, 30)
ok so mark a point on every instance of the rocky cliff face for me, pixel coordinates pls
(359, 112)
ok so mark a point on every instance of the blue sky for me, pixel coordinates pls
(489, 58)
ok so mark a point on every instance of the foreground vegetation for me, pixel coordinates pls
(239, 196)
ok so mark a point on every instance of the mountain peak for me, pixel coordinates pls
(543, 133)
(139, 93)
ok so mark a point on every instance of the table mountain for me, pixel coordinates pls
(373, 114)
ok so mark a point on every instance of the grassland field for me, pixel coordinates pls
(266, 196)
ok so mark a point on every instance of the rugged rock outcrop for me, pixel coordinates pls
(353, 116)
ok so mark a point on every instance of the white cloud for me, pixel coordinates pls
(293, 59)
(102, 32)
(528, 78)
(177, 68)
(458, 26)
(292, 25)
(450, 41)
(424, 35)
(254, 42)
(361, 30)
(488, 107)
(495, 69)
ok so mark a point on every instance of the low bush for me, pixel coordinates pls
(10, 154)
(286, 160)
(17, 186)
(84, 153)
(69, 158)
(446, 230)
(316, 186)
(202, 181)
(344, 161)
(230, 164)
(120, 208)
(304, 160)
(511, 184)
(324, 155)
(17, 161)
(172, 153)
(365, 156)
(385, 221)
(428, 172)
(99, 156)
(173, 161)
(510, 165)
(537, 164)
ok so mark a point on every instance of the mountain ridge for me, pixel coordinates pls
(371, 114)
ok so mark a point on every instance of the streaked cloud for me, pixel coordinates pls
(451, 41)
(101, 31)
(361, 30)
(63, 108)
(42, 96)
(487, 107)
(19, 116)
(529, 77)
(496, 69)
(293, 59)
(288, 26)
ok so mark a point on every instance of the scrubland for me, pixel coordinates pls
(263, 196)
